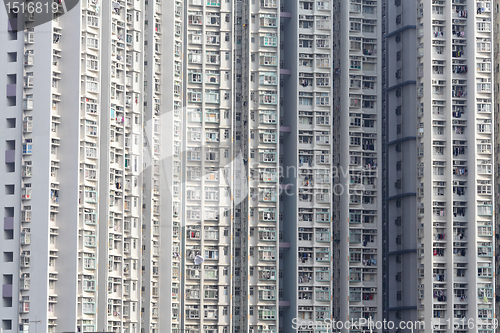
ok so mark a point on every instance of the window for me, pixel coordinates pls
(212, 253)
(194, 115)
(92, 85)
(212, 155)
(92, 43)
(195, 36)
(213, 38)
(195, 56)
(212, 96)
(355, 25)
(269, 39)
(268, 59)
(268, 20)
(484, 26)
(267, 312)
(267, 117)
(28, 146)
(268, 3)
(268, 97)
(194, 76)
(88, 305)
(268, 78)
(194, 95)
(89, 261)
(211, 233)
(322, 99)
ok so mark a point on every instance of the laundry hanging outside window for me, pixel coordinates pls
(198, 260)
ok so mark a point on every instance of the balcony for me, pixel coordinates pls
(90, 173)
(267, 137)
(24, 283)
(267, 313)
(268, 99)
(28, 82)
(157, 7)
(26, 216)
(29, 37)
(89, 308)
(89, 241)
(267, 274)
(194, 274)
(155, 312)
(28, 104)
(26, 238)
(29, 60)
(267, 157)
(26, 193)
(28, 126)
(89, 263)
(90, 152)
(193, 293)
(90, 196)
(24, 307)
(192, 313)
(267, 196)
(268, 177)
(89, 285)
(267, 254)
(26, 171)
(25, 259)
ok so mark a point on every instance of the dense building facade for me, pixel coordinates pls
(76, 205)
(439, 160)
(306, 162)
(247, 166)
(357, 207)
(208, 67)
(496, 108)
(74, 162)
(400, 183)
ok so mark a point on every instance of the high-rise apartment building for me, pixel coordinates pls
(306, 162)
(496, 129)
(260, 258)
(72, 206)
(357, 207)
(439, 230)
(162, 163)
(210, 291)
